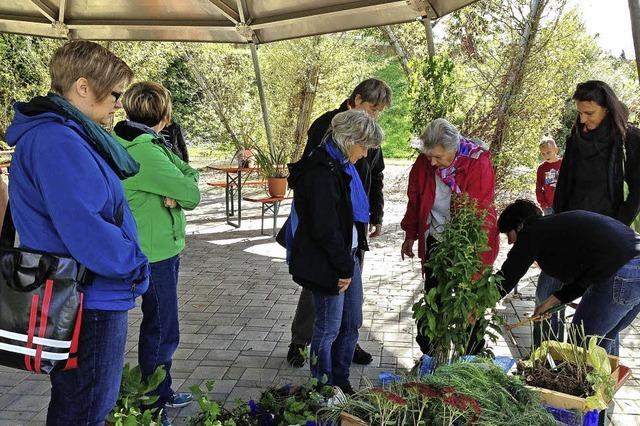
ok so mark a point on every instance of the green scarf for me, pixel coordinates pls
(111, 151)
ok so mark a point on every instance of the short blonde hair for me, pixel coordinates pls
(80, 58)
(547, 140)
(148, 103)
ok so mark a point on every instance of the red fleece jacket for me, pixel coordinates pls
(475, 177)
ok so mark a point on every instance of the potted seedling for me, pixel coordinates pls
(466, 290)
(272, 165)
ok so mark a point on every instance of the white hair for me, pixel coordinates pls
(440, 132)
(355, 127)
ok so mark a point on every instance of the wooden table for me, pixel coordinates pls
(233, 186)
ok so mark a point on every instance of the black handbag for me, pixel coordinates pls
(40, 306)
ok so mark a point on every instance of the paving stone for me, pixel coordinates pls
(236, 309)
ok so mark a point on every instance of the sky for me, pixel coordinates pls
(609, 19)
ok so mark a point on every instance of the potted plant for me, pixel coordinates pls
(466, 288)
(461, 393)
(272, 164)
(574, 376)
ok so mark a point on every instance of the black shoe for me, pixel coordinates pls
(295, 358)
(347, 389)
(361, 357)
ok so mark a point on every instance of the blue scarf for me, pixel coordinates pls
(111, 151)
(359, 200)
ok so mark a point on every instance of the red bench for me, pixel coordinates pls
(268, 204)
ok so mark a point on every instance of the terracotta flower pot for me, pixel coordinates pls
(277, 186)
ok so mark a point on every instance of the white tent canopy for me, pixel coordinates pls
(222, 21)
(225, 21)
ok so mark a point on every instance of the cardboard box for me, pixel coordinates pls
(619, 372)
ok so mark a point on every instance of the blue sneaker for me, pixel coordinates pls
(179, 400)
(164, 419)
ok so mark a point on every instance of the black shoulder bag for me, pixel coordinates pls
(40, 306)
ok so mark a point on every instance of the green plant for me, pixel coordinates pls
(460, 393)
(134, 396)
(586, 364)
(296, 404)
(211, 414)
(272, 163)
(432, 90)
(466, 288)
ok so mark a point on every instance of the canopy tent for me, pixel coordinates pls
(223, 21)
(226, 21)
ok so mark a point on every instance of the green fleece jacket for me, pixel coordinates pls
(162, 175)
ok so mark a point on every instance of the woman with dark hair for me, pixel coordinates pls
(601, 155)
(597, 257)
(600, 158)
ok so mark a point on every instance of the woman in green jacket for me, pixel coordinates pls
(158, 196)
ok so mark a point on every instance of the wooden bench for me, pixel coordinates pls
(268, 204)
(223, 184)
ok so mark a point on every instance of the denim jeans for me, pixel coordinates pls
(159, 331)
(608, 308)
(335, 330)
(302, 324)
(552, 329)
(86, 395)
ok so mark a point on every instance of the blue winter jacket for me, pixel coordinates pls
(65, 199)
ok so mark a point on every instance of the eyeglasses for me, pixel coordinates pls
(116, 95)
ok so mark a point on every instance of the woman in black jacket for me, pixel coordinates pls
(601, 158)
(332, 210)
(601, 155)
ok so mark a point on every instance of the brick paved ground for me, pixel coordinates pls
(236, 304)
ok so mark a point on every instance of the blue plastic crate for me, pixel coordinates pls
(574, 418)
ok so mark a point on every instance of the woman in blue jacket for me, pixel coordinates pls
(67, 198)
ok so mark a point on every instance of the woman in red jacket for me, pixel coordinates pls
(449, 164)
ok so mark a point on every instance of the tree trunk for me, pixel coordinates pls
(402, 54)
(306, 106)
(427, 27)
(213, 97)
(513, 80)
(634, 12)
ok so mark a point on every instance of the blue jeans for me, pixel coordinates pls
(159, 331)
(608, 308)
(86, 395)
(554, 328)
(335, 330)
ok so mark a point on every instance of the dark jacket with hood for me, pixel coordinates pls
(370, 168)
(321, 250)
(612, 202)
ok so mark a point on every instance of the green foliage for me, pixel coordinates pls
(296, 404)
(211, 414)
(396, 121)
(432, 91)
(465, 286)
(271, 163)
(24, 72)
(477, 393)
(134, 394)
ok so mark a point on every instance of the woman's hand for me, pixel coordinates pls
(407, 249)
(170, 203)
(343, 284)
(551, 302)
(375, 230)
